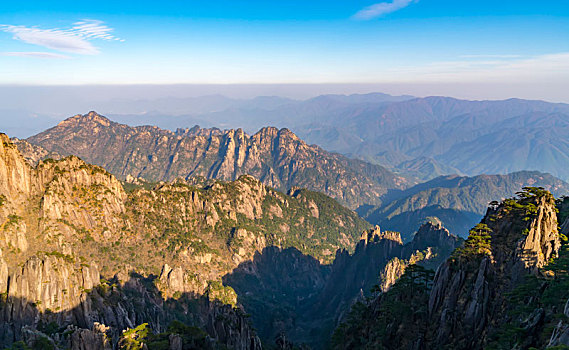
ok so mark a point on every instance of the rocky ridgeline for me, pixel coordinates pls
(277, 157)
(430, 246)
(381, 258)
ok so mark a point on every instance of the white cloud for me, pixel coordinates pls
(380, 9)
(74, 40)
(35, 54)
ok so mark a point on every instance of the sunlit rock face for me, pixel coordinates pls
(278, 158)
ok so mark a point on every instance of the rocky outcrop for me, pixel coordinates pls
(430, 246)
(176, 280)
(90, 339)
(277, 157)
(375, 235)
(490, 293)
(80, 195)
(392, 271)
(54, 299)
(57, 201)
(231, 328)
(433, 234)
(15, 175)
(468, 290)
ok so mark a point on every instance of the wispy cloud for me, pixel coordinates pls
(380, 9)
(35, 54)
(76, 39)
(494, 69)
(490, 56)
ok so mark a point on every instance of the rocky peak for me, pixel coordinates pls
(267, 132)
(375, 234)
(525, 229)
(513, 240)
(433, 234)
(286, 133)
(542, 242)
(90, 118)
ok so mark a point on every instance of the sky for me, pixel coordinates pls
(480, 49)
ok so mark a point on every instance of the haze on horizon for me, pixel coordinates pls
(468, 49)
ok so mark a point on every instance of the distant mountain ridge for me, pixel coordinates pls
(458, 201)
(277, 157)
(420, 137)
(473, 137)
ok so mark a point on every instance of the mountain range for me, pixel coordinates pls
(459, 202)
(89, 260)
(276, 157)
(205, 238)
(283, 161)
(419, 137)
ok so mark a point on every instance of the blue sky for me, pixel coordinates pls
(399, 41)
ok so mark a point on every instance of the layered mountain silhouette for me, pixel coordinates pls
(446, 135)
(173, 238)
(458, 201)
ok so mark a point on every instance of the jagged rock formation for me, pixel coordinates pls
(392, 271)
(277, 157)
(519, 243)
(433, 234)
(487, 294)
(313, 298)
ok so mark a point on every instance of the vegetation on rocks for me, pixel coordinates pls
(505, 288)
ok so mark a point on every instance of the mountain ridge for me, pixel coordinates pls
(458, 201)
(277, 157)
